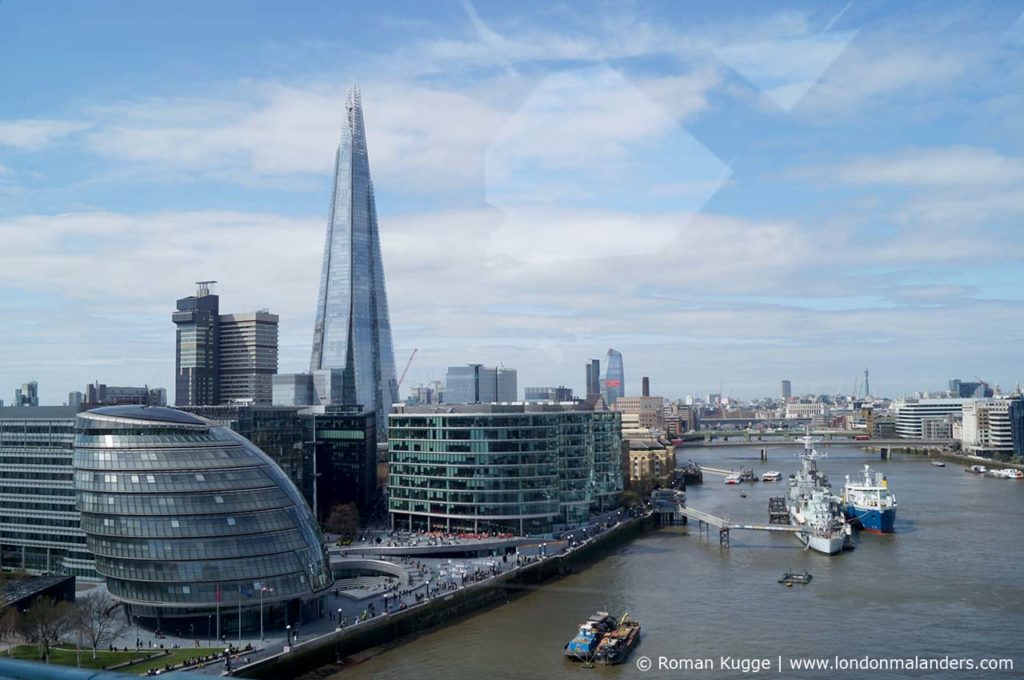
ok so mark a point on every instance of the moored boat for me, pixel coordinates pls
(814, 508)
(771, 476)
(977, 469)
(791, 577)
(616, 644)
(869, 502)
(733, 479)
(584, 645)
(938, 463)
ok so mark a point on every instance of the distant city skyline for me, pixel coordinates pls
(728, 194)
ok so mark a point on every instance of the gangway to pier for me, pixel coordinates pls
(717, 471)
(706, 521)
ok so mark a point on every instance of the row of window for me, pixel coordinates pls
(196, 504)
(209, 570)
(197, 549)
(180, 527)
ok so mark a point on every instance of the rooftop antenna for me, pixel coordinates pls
(203, 288)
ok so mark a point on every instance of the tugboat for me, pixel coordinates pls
(616, 645)
(584, 645)
(814, 508)
(870, 503)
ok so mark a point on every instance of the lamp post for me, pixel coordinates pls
(263, 589)
(288, 630)
(339, 618)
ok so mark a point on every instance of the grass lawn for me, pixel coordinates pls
(105, 659)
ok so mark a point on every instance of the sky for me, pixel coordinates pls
(729, 193)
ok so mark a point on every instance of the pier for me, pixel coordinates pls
(706, 520)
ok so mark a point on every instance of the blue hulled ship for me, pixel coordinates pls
(869, 503)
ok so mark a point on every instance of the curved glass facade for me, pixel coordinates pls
(186, 519)
(614, 382)
(502, 468)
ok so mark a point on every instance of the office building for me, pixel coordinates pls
(987, 429)
(650, 411)
(39, 525)
(293, 389)
(802, 411)
(593, 378)
(787, 390)
(188, 520)
(75, 399)
(560, 393)
(346, 457)
(280, 432)
(1017, 426)
(476, 384)
(681, 418)
(352, 331)
(613, 385)
(522, 468)
(196, 359)
(248, 357)
(927, 418)
(27, 394)
(959, 389)
(98, 394)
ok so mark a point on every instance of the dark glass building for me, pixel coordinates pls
(593, 378)
(346, 457)
(188, 520)
(197, 350)
(353, 329)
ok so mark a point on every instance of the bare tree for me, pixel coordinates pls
(46, 622)
(10, 627)
(97, 620)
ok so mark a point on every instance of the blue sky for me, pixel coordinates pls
(728, 193)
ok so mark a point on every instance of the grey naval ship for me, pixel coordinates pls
(814, 508)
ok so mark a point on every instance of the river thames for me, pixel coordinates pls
(948, 583)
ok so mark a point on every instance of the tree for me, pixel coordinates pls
(46, 622)
(10, 626)
(344, 519)
(97, 621)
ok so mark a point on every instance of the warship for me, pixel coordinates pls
(814, 508)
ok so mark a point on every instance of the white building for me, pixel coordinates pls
(986, 427)
(806, 410)
(927, 418)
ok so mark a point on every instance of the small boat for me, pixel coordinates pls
(616, 645)
(1012, 473)
(771, 476)
(977, 469)
(938, 463)
(743, 494)
(792, 577)
(733, 479)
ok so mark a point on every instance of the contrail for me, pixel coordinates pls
(837, 17)
(487, 36)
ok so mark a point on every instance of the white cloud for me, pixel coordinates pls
(34, 134)
(950, 167)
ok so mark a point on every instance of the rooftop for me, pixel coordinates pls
(157, 414)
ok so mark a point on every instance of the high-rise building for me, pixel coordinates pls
(645, 386)
(787, 390)
(613, 385)
(560, 393)
(593, 378)
(27, 394)
(197, 360)
(650, 411)
(248, 357)
(352, 331)
(477, 384)
(74, 399)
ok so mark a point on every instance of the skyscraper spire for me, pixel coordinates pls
(353, 328)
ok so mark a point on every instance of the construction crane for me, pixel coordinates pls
(406, 369)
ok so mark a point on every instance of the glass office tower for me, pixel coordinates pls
(614, 383)
(189, 521)
(353, 328)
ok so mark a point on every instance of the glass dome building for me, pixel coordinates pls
(193, 526)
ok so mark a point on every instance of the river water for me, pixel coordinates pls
(948, 583)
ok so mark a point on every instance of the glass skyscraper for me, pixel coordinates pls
(614, 383)
(353, 328)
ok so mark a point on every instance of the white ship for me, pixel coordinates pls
(813, 507)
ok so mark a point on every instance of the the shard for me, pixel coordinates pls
(353, 328)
